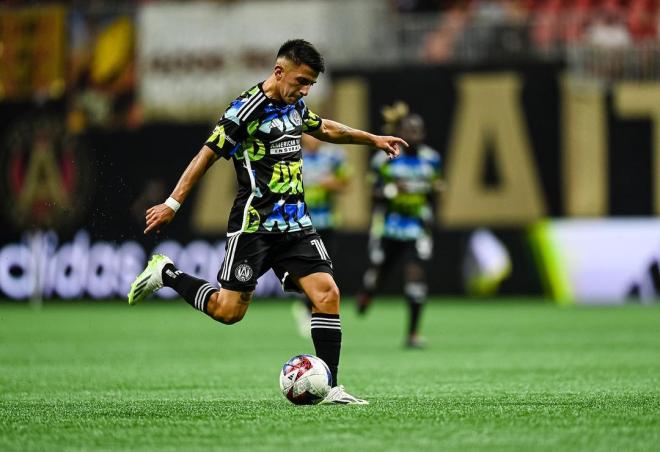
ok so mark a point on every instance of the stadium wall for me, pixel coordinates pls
(522, 144)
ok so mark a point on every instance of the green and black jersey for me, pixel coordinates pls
(406, 185)
(262, 137)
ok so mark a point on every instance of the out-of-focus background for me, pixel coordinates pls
(546, 114)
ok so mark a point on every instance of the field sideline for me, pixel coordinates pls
(497, 376)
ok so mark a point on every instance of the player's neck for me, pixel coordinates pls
(270, 89)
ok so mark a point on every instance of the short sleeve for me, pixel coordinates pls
(311, 121)
(232, 128)
(226, 137)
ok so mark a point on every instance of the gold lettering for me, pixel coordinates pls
(489, 111)
(584, 148)
(351, 100)
(642, 100)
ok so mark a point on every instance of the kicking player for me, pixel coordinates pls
(326, 174)
(269, 224)
(403, 216)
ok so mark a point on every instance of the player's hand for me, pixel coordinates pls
(158, 216)
(391, 145)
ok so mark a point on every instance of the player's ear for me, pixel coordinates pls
(278, 70)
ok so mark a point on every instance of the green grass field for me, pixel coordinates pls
(496, 376)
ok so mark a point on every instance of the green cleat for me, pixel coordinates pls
(150, 280)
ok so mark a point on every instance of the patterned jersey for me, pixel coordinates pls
(406, 184)
(262, 137)
(327, 161)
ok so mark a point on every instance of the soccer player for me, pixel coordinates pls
(401, 228)
(326, 174)
(269, 224)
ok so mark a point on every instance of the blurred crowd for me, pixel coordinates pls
(475, 28)
(85, 52)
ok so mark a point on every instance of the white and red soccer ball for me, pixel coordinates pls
(305, 380)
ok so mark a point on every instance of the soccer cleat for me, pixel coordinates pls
(363, 302)
(339, 396)
(415, 342)
(150, 280)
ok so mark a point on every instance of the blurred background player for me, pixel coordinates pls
(326, 174)
(401, 230)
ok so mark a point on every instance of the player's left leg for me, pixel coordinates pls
(323, 292)
(304, 263)
(328, 241)
(325, 324)
(302, 306)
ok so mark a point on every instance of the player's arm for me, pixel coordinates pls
(163, 214)
(335, 132)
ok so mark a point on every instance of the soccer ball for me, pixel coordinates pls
(305, 380)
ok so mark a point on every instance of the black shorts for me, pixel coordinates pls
(329, 240)
(291, 255)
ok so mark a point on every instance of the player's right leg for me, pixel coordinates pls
(226, 306)
(238, 276)
(150, 280)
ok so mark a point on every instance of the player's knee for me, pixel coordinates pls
(327, 299)
(230, 319)
(224, 311)
(227, 316)
(370, 278)
(416, 291)
(414, 273)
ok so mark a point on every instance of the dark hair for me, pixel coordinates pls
(302, 52)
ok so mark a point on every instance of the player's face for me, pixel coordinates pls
(412, 129)
(294, 82)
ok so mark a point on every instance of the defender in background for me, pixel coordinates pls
(401, 229)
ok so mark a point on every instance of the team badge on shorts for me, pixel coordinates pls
(243, 272)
